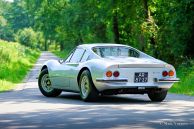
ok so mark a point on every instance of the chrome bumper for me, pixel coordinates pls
(111, 80)
(104, 84)
(167, 80)
(126, 80)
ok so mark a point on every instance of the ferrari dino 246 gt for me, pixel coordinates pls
(107, 69)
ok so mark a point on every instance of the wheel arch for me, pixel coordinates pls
(80, 72)
(44, 67)
(49, 64)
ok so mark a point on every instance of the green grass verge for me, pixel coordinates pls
(184, 72)
(186, 84)
(15, 61)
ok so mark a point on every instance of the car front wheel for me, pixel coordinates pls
(158, 96)
(45, 85)
(88, 91)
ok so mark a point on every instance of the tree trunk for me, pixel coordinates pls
(79, 39)
(146, 10)
(61, 46)
(45, 45)
(116, 28)
(56, 45)
(190, 44)
(115, 21)
(148, 19)
(100, 32)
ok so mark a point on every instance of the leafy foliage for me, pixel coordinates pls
(186, 72)
(175, 35)
(164, 29)
(29, 37)
(15, 60)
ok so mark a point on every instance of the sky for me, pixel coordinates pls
(9, 0)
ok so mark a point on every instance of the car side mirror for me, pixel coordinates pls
(61, 61)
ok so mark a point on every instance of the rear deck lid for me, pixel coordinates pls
(132, 62)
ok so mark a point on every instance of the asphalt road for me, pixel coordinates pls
(26, 107)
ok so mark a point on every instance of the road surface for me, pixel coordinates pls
(26, 107)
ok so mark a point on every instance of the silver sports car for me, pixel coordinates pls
(107, 69)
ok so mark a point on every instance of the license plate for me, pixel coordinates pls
(141, 77)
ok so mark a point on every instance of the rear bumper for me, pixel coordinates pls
(167, 80)
(110, 81)
(125, 80)
(103, 84)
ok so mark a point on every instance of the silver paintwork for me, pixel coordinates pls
(64, 75)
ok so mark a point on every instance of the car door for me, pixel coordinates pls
(73, 65)
(59, 75)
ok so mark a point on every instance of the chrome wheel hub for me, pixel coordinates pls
(46, 83)
(85, 86)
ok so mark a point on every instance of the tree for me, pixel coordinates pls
(6, 32)
(29, 37)
(160, 28)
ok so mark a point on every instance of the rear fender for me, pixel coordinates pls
(50, 65)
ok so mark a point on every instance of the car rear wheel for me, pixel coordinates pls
(45, 85)
(158, 96)
(88, 91)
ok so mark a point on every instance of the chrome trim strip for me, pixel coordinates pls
(167, 80)
(111, 80)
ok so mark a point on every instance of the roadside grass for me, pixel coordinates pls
(185, 72)
(186, 85)
(15, 61)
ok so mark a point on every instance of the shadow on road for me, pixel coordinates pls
(113, 99)
(69, 111)
(32, 94)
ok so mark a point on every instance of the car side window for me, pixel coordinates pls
(85, 56)
(77, 55)
(133, 53)
(69, 57)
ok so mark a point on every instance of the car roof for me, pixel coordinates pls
(89, 46)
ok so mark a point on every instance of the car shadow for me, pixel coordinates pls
(108, 99)
(32, 94)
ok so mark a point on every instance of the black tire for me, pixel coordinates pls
(53, 92)
(158, 96)
(92, 91)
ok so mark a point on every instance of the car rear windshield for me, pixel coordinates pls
(115, 52)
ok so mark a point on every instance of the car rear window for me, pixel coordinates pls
(115, 52)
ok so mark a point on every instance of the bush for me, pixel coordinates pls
(16, 60)
(29, 37)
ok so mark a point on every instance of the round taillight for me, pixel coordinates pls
(171, 73)
(164, 73)
(116, 74)
(108, 73)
